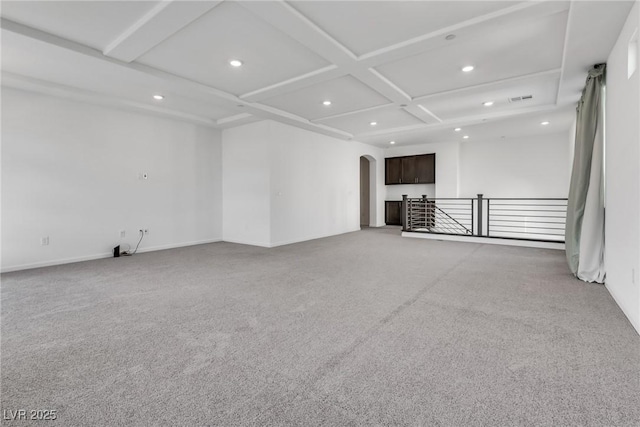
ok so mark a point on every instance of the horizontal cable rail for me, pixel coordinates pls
(539, 219)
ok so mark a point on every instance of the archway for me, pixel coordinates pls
(368, 195)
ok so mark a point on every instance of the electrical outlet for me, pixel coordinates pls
(123, 234)
(44, 241)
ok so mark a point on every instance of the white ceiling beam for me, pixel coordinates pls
(415, 108)
(547, 73)
(383, 107)
(382, 85)
(460, 121)
(564, 53)
(161, 22)
(176, 83)
(319, 76)
(237, 120)
(522, 11)
(422, 113)
(287, 19)
(588, 42)
(30, 84)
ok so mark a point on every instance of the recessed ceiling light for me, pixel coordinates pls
(457, 129)
(544, 123)
(392, 142)
(158, 97)
(488, 103)
(326, 103)
(373, 123)
(235, 63)
(467, 68)
(450, 37)
(466, 137)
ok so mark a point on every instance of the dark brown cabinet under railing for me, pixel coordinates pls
(393, 212)
(420, 169)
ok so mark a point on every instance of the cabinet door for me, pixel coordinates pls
(393, 171)
(425, 167)
(393, 213)
(409, 170)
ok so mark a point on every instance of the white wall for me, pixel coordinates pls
(246, 175)
(308, 182)
(315, 184)
(70, 172)
(521, 167)
(447, 170)
(622, 228)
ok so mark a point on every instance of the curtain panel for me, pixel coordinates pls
(584, 233)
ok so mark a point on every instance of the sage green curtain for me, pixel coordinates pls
(584, 232)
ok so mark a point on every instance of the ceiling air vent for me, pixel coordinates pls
(520, 98)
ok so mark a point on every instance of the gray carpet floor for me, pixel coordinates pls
(366, 328)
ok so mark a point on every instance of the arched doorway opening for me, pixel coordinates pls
(368, 214)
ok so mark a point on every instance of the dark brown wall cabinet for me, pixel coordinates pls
(411, 169)
(393, 212)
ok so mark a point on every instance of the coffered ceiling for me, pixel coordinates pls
(397, 64)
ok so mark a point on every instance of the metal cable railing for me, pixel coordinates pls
(445, 223)
(541, 219)
(532, 219)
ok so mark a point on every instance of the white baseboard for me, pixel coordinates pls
(314, 237)
(61, 261)
(623, 307)
(247, 242)
(179, 245)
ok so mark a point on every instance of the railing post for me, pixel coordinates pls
(480, 214)
(473, 225)
(404, 212)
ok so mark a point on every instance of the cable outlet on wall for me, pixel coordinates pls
(44, 241)
(143, 175)
(143, 231)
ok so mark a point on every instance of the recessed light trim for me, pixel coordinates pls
(487, 103)
(465, 137)
(373, 123)
(457, 129)
(235, 63)
(326, 103)
(545, 123)
(158, 97)
(450, 37)
(468, 68)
